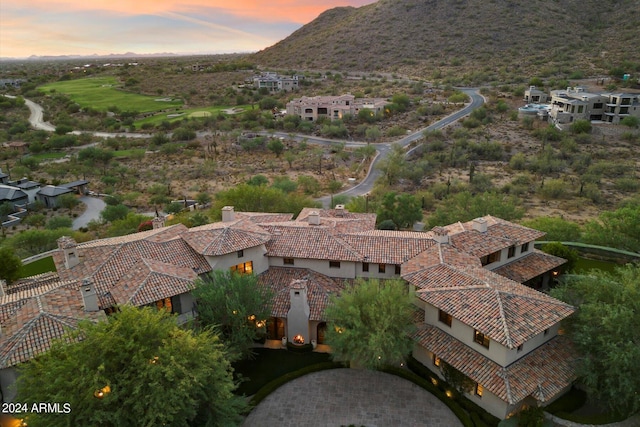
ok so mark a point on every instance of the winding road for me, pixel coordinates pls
(362, 188)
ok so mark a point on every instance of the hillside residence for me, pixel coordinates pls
(472, 310)
(576, 103)
(275, 83)
(23, 192)
(333, 107)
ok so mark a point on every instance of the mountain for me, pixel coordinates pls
(463, 37)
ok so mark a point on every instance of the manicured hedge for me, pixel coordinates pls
(304, 348)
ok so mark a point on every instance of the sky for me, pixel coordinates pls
(87, 27)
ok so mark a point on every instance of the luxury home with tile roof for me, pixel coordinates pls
(472, 309)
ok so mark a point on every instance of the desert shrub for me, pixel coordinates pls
(553, 189)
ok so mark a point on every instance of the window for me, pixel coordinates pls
(243, 268)
(334, 264)
(491, 258)
(524, 247)
(481, 338)
(580, 108)
(436, 360)
(397, 270)
(240, 253)
(597, 106)
(287, 261)
(479, 390)
(445, 317)
(365, 267)
(164, 304)
(519, 348)
(381, 268)
(512, 252)
(546, 332)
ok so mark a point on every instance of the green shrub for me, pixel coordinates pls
(304, 348)
(571, 401)
(531, 417)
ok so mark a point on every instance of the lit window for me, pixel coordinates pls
(287, 261)
(524, 248)
(381, 268)
(365, 267)
(481, 338)
(512, 252)
(244, 268)
(334, 264)
(397, 271)
(444, 317)
(436, 360)
(479, 390)
(240, 253)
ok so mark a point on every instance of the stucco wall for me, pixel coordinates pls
(374, 273)
(255, 254)
(347, 269)
(504, 253)
(465, 334)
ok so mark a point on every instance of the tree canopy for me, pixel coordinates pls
(605, 333)
(137, 368)
(464, 207)
(617, 229)
(235, 304)
(371, 323)
(10, 265)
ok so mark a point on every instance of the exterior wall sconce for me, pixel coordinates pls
(100, 393)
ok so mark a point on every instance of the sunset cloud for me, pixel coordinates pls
(57, 27)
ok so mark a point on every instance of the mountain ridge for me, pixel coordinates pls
(497, 36)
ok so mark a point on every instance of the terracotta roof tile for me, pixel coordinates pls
(543, 373)
(32, 318)
(388, 247)
(311, 242)
(222, 238)
(529, 266)
(505, 311)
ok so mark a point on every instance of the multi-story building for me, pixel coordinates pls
(473, 312)
(576, 103)
(333, 107)
(275, 83)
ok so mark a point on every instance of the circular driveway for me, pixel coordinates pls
(340, 397)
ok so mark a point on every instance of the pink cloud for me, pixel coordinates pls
(299, 11)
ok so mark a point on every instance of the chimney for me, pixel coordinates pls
(480, 224)
(157, 222)
(70, 249)
(228, 214)
(314, 218)
(89, 296)
(340, 210)
(440, 234)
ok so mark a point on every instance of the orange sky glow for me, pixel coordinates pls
(85, 27)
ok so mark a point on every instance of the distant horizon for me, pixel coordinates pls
(76, 28)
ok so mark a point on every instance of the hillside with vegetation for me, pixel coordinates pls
(472, 40)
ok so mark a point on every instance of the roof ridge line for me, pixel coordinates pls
(509, 341)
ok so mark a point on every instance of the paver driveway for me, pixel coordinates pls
(340, 397)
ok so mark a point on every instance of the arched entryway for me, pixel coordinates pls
(322, 329)
(275, 328)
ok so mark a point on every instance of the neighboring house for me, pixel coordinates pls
(13, 195)
(473, 312)
(276, 83)
(49, 194)
(31, 188)
(576, 103)
(78, 187)
(20, 146)
(333, 107)
(4, 178)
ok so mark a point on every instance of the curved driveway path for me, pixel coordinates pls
(342, 397)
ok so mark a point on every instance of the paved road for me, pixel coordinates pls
(94, 207)
(342, 397)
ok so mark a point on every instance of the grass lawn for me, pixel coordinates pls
(103, 92)
(38, 267)
(583, 265)
(129, 153)
(186, 113)
(270, 364)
